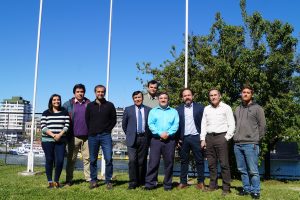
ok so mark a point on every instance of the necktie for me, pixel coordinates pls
(140, 122)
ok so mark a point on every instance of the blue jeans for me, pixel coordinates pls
(103, 139)
(247, 163)
(54, 154)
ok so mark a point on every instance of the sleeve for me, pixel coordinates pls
(261, 123)
(44, 122)
(172, 130)
(231, 123)
(87, 116)
(203, 126)
(67, 122)
(125, 120)
(113, 117)
(152, 123)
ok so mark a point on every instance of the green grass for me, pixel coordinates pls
(14, 186)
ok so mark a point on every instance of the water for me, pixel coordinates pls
(280, 169)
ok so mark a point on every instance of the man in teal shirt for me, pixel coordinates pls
(163, 121)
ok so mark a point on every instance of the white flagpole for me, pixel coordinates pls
(30, 154)
(107, 73)
(186, 42)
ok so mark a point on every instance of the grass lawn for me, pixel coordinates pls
(14, 186)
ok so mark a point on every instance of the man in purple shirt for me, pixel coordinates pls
(78, 134)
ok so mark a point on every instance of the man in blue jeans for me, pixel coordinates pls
(250, 128)
(100, 117)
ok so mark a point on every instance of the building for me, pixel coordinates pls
(37, 126)
(14, 113)
(118, 134)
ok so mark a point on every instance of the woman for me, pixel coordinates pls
(55, 124)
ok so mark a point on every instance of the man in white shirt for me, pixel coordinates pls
(217, 128)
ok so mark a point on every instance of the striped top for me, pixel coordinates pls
(55, 122)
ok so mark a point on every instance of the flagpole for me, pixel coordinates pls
(186, 42)
(30, 153)
(107, 73)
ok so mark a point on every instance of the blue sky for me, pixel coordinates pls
(74, 39)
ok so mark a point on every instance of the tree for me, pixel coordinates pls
(259, 52)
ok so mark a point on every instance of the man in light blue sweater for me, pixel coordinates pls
(163, 122)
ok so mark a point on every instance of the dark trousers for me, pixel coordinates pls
(54, 154)
(167, 150)
(191, 143)
(217, 149)
(137, 165)
(105, 141)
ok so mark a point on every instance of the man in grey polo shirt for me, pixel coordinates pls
(150, 98)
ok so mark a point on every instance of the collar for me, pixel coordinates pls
(190, 106)
(150, 97)
(76, 101)
(142, 106)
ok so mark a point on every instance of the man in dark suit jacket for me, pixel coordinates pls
(137, 133)
(190, 115)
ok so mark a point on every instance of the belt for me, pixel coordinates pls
(215, 134)
(141, 134)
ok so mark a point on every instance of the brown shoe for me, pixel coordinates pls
(200, 186)
(51, 185)
(109, 186)
(182, 186)
(57, 185)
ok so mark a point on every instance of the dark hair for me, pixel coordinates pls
(184, 89)
(248, 86)
(50, 106)
(100, 86)
(78, 86)
(214, 88)
(152, 82)
(161, 93)
(136, 93)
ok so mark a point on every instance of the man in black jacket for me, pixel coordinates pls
(100, 117)
(190, 115)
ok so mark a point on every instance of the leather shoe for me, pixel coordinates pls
(57, 185)
(109, 186)
(167, 189)
(225, 192)
(149, 188)
(182, 186)
(131, 187)
(93, 184)
(51, 185)
(200, 186)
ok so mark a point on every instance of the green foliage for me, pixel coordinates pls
(259, 52)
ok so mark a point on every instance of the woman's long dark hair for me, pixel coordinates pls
(50, 106)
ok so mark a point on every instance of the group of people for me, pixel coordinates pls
(150, 123)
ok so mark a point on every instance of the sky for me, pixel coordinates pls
(74, 41)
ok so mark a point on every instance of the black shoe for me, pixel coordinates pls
(255, 195)
(149, 188)
(131, 187)
(167, 189)
(93, 184)
(243, 193)
(109, 186)
(226, 192)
